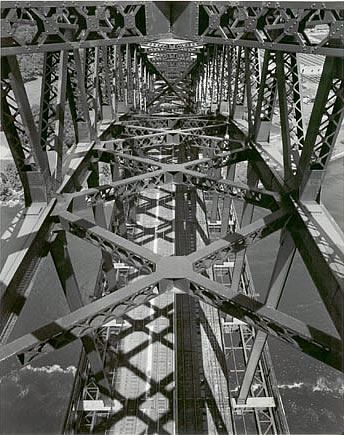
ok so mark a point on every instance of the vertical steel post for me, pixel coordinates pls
(323, 129)
(266, 98)
(68, 280)
(60, 115)
(277, 283)
(40, 157)
(246, 219)
(289, 97)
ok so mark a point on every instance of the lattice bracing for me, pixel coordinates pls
(175, 109)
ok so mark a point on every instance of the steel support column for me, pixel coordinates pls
(64, 269)
(277, 283)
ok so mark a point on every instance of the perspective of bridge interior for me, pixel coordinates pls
(173, 161)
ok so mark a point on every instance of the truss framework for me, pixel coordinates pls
(102, 61)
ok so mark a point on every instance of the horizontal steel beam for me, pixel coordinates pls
(232, 23)
(219, 250)
(44, 48)
(207, 183)
(134, 164)
(121, 249)
(83, 321)
(120, 189)
(267, 45)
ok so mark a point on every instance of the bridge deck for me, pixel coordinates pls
(168, 367)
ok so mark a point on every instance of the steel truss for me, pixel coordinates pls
(217, 83)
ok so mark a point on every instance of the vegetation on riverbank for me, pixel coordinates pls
(10, 186)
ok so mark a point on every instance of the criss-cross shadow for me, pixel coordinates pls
(139, 385)
(140, 357)
(160, 227)
(140, 350)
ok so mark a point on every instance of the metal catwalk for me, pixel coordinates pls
(191, 141)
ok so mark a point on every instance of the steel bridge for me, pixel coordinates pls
(173, 175)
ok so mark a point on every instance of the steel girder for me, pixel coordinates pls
(159, 269)
(94, 64)
(261, 24)
(22, 134)
(87, 319)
